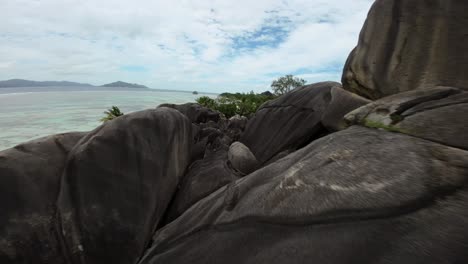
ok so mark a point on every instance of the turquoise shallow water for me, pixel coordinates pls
(29, 113)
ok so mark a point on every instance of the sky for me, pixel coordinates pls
(212, 46)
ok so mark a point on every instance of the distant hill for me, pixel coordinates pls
(27, 83)
(124, 84)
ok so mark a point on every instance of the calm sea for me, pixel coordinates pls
(29, 113)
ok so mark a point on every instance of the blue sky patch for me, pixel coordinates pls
(271, 34)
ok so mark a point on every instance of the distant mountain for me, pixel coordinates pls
(124, 84)
(27, 83)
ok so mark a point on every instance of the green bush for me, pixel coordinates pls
(229, 104)
(206, 102)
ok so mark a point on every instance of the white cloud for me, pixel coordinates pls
(194, 45)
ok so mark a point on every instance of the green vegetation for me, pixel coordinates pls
(111, 113)
(286, 83)
(229, 104)
(390, 128)
(246, 104)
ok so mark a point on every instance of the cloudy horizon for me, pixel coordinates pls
(211, 46)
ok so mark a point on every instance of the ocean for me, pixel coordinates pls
(29, 113)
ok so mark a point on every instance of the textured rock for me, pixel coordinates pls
(406, 45)
(29, 185)
(437, 114)
(241, 158)
(296, 118)
(205, 137)
(236, 126)
(209, 125)
(356, 196)
(118, 183)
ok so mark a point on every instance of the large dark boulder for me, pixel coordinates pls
(295, 119)
(118, 183)
(360, 195)
(29, 185)
(406, 45)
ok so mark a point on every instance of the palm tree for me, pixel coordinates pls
(111, 113)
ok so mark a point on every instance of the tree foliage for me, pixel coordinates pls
(111, 113)
(286, 83)
(231, 104)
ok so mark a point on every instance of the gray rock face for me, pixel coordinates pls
(29, 185)
(437, 114)
(406, 45)
(118, 183)
(356, 196)
(298, 117)
(241, 158)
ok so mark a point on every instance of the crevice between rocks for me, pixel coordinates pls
(424, 99)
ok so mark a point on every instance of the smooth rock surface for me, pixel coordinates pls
(356, 196)
(29, 185)
(406, 45)
(241, 158)
(118, 183)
